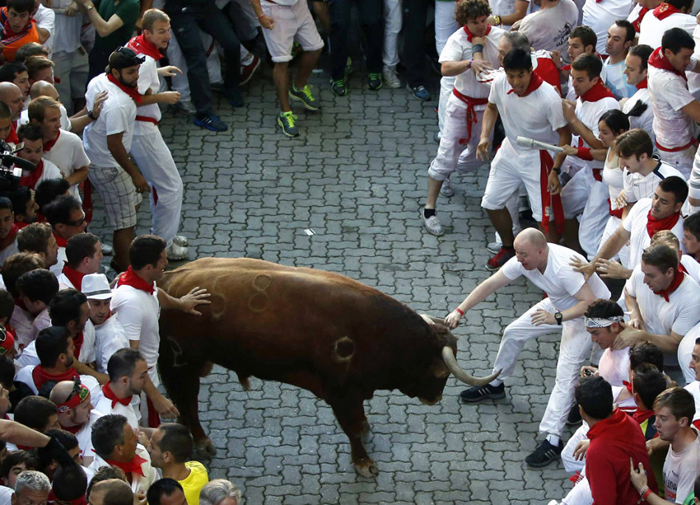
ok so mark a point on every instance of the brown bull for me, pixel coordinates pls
(317, 330)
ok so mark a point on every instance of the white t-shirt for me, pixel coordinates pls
(109, 338)
(549, 29)
(601, 15)
(57, 269)
(652, 29)
(45, 19)
(118, 116)
(646, 120)
(21, 321)
(681, 469)
(458, 48)
(84, 434)
(612, 176)
(6, 495)
(537, 115)
(614, 365)
(616, 80)
(30, 357)
(131, 412)
(694, 77)
(138, 483)
(559, 280)
(636, 224)
(589, 114)
(691, 266)
(138, 312)
(68, 154)
(638, 186)
(148, 79)
(51, 171)
(669, 94)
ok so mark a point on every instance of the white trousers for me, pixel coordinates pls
(574, 349)
(682, 161)
(581, 493)
(447, 84)
(392, 27)
(588, 198)
(571, 465)
(445, 23)
(158, 168)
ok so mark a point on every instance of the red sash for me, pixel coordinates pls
(693, 142)
(471, 112)
(147, 119)
(546, 164)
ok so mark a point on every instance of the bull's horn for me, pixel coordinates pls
(448, 357)
(432, 319)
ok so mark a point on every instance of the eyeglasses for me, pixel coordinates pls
(77, 223)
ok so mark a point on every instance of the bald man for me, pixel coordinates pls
(569, 294)
(11, 95)
(75, 123)
(74, 410)
(111, 492)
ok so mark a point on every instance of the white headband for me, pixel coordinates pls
(600, 322)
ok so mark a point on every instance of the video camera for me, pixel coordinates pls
(11, 167)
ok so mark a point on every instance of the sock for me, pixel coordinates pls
(508, 247)
(428, 213)
(496, 383)
(247, 59)
(554, 440)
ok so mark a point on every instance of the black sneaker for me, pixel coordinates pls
(211, 122)
(374, 81)
(574, 416)
(487, 392)
(544, 454)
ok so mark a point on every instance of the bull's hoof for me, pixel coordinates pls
(365, 427)
(366, 468)
(205, 449)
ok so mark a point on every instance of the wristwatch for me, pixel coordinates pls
(558, 317)
(556, 170)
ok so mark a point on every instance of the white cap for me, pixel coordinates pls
(96, 287)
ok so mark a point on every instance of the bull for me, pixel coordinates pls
(317, 330)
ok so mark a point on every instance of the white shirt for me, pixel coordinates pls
(8, 251)
(6, 495)
(118, 116)
(45, 19)
(68, 154)
(25, 375)
(458, 48)
(41, 321)
(21, 321)
(612, 176)
(694, 389)
(694, 77)
(616, 80)
(601, 15)
(138, 312)
(589, 113)
(549, 29)
(148, 79)
(636, 224)
(646, 120)
(132, 411)
(614, 365)
(65, 283)
(681, 469)
(691, 266)
(652, 29)
(84, 434)
(57, 269)
(87, 350)
(109, 338)
(559, 280)
(138, 483)
(66, 29)
(51, 171)
(638, 186)
(669, 94)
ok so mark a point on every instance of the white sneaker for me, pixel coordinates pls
(432, 224)
(447, 189)
(391, 78)
(176, 252)
(181, 240)
(107, 249)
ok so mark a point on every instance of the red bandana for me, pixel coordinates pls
(643, 85)
(597, 92)
(132, 92)
(110, 395)
(78, 343)
(55, 501)
(142, 46)
(658, 60)
(75, 277)
(12, 138)
(60, 241)
(677, 279)
(535, 82)
(7, 241)
(133, 466)
(654, 225)
(665, 10)
(7, 32)
(41, 377)
(33, 177)
(642, 415)
(638, 22)
(82, 396)
(48, 144)
(549, 72)
(470, 35)
(130, 278)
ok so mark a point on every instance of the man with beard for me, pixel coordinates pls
(8, 230)
(128, 373)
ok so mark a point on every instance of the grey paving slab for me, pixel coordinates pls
(357, 177)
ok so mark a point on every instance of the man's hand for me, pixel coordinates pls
(479, 66)
(140, 183)
(143, 438)
(267, 22)
(570, 150)
(140, 498)
(452, 320)
(478, 41)
(627, 337)
(169, 71)
(592, 371)
(610, 269)
(621, 199)
(655, 444)
(581, 448)
(569, 110)
(482, 150)
(197, 296)
(165, 408)
(556, 59)
(587, 269)
(99, 103)
(71, 10)
(553, 183)
(541, 317)
(638, 476)
(169, 97)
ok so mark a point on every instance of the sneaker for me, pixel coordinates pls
(374, 81)
(544, 454)
(247, 71)
(419, 92)
(183, 107)
(391, 77)
(304, 96)
(494, 247)
(176, 252)
(437, 136)
(487, 392)
(181, 240)
(574, 416)
(211, 122)
(499, 259)
(447, 189)
(235, 98)
(432, 224)
(338, 87)
(107, 249)
(287, 121)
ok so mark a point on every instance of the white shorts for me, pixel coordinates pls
(292, 23)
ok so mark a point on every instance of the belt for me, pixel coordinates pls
(471, 112)
(147, 119)
(693, 142)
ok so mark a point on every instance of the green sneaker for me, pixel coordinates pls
(287, 121)
(304, 96)
(338, 87)
(375, 81)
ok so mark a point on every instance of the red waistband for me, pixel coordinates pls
(468, 99)
(615, 213)
(147, 119)
(692, 142)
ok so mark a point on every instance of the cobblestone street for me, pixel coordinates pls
(357, 178)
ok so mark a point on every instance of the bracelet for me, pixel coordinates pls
(459, 311)
(556, 170)
(261, 16)
(646, 494)
(498, 19)
(643, 490)
(91, 115)
(470, 63)
(478, 48)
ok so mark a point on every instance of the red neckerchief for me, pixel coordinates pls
(60, 241)
(55, 501)
(677, 279)
(655, 225)
(133, 466)
(130, 278)
(7, 32)
(78, 344)
(12, 138)
(642, 415)
(71, 429)
(132, 92)
(48, 144)
(21, 224)
(110, 395)
(470, 35)
(41, 377)
(638, 22)
(628, 385)
(643, 85)
(142, 46)
(549, 72)
(7, 241)
(75, 277)
(658, 60)
(665, 10)
(33, 177)
(535, 82)
(597, 92)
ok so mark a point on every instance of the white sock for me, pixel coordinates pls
(496, 383)
(246, 59)
(554, 440)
